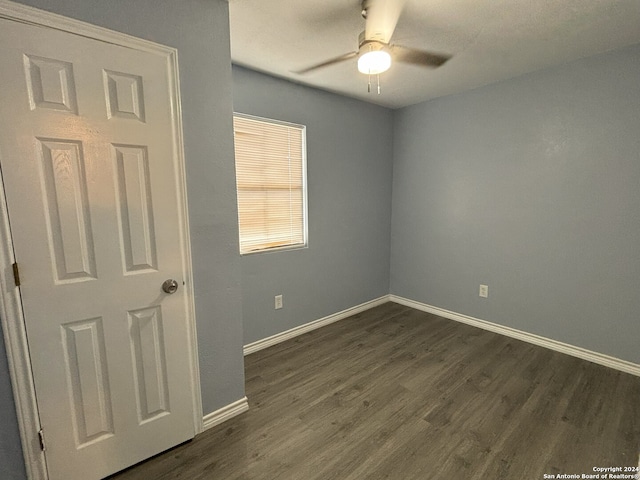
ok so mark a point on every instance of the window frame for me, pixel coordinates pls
(305, 211)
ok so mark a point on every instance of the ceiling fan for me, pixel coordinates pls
(375, 53)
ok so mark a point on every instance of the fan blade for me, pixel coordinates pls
(333, 61)
(382, 18)
(417, 57)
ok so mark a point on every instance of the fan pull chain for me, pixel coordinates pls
(377, 84)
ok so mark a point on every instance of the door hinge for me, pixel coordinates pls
(41, 438)
(16, 274)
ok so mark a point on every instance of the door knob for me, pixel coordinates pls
(170, 286)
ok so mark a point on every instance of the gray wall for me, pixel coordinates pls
(11, 462)
(349, 153)
(531, 186)
(199, 30)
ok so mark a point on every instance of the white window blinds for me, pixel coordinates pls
(270, 176)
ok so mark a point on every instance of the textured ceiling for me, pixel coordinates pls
(490, 40)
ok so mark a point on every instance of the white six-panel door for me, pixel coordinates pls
(90, 175)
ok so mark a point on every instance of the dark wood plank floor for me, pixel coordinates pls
(394, 393)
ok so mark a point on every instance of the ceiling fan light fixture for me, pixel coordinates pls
(374, 62)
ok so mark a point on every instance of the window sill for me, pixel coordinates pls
(275, 249)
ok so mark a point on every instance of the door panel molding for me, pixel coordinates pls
(11, 313)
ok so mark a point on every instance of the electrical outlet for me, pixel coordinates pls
(484, 291)
(278, 302)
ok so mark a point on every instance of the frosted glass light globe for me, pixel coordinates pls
(374, 62)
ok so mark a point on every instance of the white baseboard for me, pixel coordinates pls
(307, 327)
(225, 413)
(595, 357)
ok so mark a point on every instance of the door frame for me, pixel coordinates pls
(11, 313)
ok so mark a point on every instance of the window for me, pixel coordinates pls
(270, 176)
